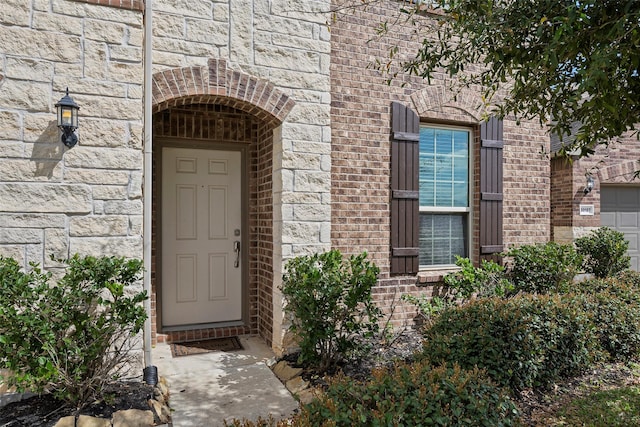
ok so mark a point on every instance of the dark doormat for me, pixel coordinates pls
(205, 346)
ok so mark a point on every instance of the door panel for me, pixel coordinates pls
(620, 210)
(201, 221)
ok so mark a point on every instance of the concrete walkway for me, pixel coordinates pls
(209, 388)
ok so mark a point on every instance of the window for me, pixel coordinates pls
(444, 195)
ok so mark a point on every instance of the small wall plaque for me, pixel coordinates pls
(586, 210)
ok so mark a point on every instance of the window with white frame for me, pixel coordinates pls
(445, 207)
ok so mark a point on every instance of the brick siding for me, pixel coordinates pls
(360, 122)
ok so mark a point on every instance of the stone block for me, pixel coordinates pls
(185, 8)
(300, 161)
(88, 87)
(183, 47)
(168, 25)
(105, 31)
(83, 421)
(304, 43)
(109, 192)
(96, 176)
(315, 114)
(15, 12)
(95, 61)
(136, 225)
(10, 123)
(52, 22)
(126, 73)
(286, 372)
(104, 158)
(25, 95)
(300, 133)
(221, 12)
(136, 136)
(128, 247)
(39, 128)
(17, 252)
(296, 385)
(30, 170)
(56, 243)
(102, 225)
(312, 181)
(29, 69)
(299, 80)
(125, 53)
(134, 189)
(100, 12)
(284, 25)
(206, 31)
(40, 45)
(12, 148)
(134, 36)
(123, 207)
(133, 418)
(300, 232)
(314, 11)
(103, 133)
(312, 212)
(45, 198)
(20, 236)
(23, 220)
(288, 58)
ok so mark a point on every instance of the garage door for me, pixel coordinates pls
(620, 210)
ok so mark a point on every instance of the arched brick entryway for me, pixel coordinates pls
(208, 107)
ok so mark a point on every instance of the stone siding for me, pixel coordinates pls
(246, 54)
(88, 199)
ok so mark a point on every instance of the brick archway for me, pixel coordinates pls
(218, 84)
(442, 103)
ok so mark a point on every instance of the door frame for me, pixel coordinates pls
(158, 145)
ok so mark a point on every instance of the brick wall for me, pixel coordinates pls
(360, 156)
(615, 164)
(208, 124)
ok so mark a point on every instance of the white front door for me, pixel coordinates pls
(201, 229)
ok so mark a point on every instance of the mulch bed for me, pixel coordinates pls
(45, 411)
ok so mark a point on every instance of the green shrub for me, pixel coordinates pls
(460, 286)
(543, 268)
(604, 251)
(330, 300)
(72, 338)
(613, 304)
(526, 341)
(484, 281)
(413, 395)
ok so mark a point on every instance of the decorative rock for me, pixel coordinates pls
(296, 385)
(83, 421)
(162, 411)
(285, 372)
(307, 395)
(133, 418)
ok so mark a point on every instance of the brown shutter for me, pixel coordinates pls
(491, 188)
(405, 128)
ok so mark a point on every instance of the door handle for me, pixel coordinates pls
(236, 248)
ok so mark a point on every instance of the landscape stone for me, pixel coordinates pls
(285, 372)
(133, 418)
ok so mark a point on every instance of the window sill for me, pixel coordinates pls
(432, 277)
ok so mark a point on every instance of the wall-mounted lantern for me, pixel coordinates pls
(589, 185)
(67, 111)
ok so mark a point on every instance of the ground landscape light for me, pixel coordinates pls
(590, 184)
(67, 112)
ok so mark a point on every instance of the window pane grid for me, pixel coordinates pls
(444, 195)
